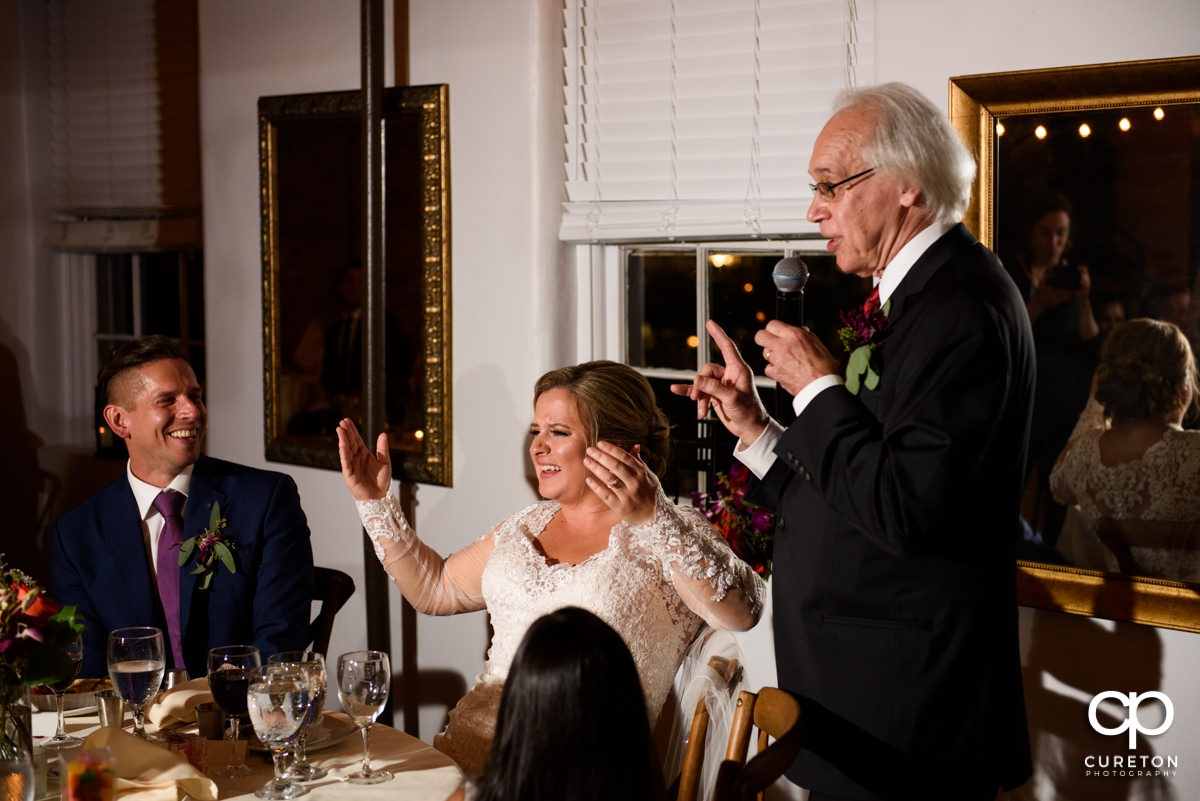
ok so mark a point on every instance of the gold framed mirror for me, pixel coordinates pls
(1078, 101)
(311, 192)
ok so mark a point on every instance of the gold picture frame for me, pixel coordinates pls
(976, 104)
(310, 166)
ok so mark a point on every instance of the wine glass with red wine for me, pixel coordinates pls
(61, 739)
(230, 668)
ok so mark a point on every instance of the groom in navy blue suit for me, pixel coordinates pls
(104, 555)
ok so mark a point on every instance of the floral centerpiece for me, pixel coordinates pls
(746, 527)
(34, 634)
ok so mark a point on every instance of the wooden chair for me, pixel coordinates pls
(711, 674)
(778, 718)
(332, 588)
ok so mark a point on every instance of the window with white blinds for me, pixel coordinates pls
(124, 124)
(695, 118)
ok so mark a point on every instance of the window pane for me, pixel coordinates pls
(742, 298)
(160, 293)
(661, 307)
(114, 294)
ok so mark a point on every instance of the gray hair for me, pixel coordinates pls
(914, 140)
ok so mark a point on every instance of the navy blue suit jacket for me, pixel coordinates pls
(895, 606)
(98, 563)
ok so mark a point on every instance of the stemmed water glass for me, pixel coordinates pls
(229, 671)
(278, 700)
(300, 769)
(135, 665)
(364, 680)
(61, 739)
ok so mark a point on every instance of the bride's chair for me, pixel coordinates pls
(695, 721)
(780, 735)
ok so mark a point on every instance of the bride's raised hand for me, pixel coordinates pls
(368, 475)
(623, 481)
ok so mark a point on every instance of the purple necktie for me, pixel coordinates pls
(169, 504)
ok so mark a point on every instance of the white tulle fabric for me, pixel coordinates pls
(654, 584)
(1162, 486)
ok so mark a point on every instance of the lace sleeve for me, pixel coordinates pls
(433, 585)
(1062, 476)
(714, 583)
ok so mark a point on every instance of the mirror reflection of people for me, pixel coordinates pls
(605, 538)
(1130, 466)
(1057, 292)
(572, 721)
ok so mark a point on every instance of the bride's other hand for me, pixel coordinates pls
(623, 481)
(368, 476)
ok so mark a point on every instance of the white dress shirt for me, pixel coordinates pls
(153, 522)
(760, 454)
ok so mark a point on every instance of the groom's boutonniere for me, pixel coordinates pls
(210, 547)
(859, 336)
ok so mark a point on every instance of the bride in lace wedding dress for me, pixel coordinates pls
(605, 538)
(1129, 465)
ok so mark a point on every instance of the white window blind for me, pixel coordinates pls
(695, 118)
(124, 133)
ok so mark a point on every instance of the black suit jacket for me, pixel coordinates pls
(894, 574)
(98, 562)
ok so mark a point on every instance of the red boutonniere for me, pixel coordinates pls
(859, 336)
(210, 546)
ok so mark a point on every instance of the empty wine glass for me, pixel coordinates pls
(364, 680)
(278, 701)
(300, 769)
(135, 665)
(229, 671)
(61, 739)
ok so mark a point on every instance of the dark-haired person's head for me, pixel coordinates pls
(1147, 372)
(616, 404)
(154, 402)
(572, 721)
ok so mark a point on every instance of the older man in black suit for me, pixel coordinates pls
(897, 487)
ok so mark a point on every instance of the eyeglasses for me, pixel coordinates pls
(825, 189)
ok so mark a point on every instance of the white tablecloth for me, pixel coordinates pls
(421, 772)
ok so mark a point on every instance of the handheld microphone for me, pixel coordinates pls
(790, 275)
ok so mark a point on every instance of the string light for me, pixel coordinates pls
(1124, 124)
(1040, 132)
(1159, 113)
(1085, 130)
(693, 341)
(999, 128)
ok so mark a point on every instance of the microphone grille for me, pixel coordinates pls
(790, 274)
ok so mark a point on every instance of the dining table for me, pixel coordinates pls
(420, 772)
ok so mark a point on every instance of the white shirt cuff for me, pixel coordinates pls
(805, 396)
(760, 454)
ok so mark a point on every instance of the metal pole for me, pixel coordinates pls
(379, 629)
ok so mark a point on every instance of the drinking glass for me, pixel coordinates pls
(229, 671)
(300, 769)
(135, 665)
(61, 739)
(278, 701)
(364, 679)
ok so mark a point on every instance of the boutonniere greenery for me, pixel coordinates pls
(210, 546)
(859, 336)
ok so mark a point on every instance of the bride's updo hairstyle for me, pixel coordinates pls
(617, 405)
(1145, 368)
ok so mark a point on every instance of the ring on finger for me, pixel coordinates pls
(767, 354)
(616, 482)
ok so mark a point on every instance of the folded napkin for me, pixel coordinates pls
(179, 703)
(151, 772)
